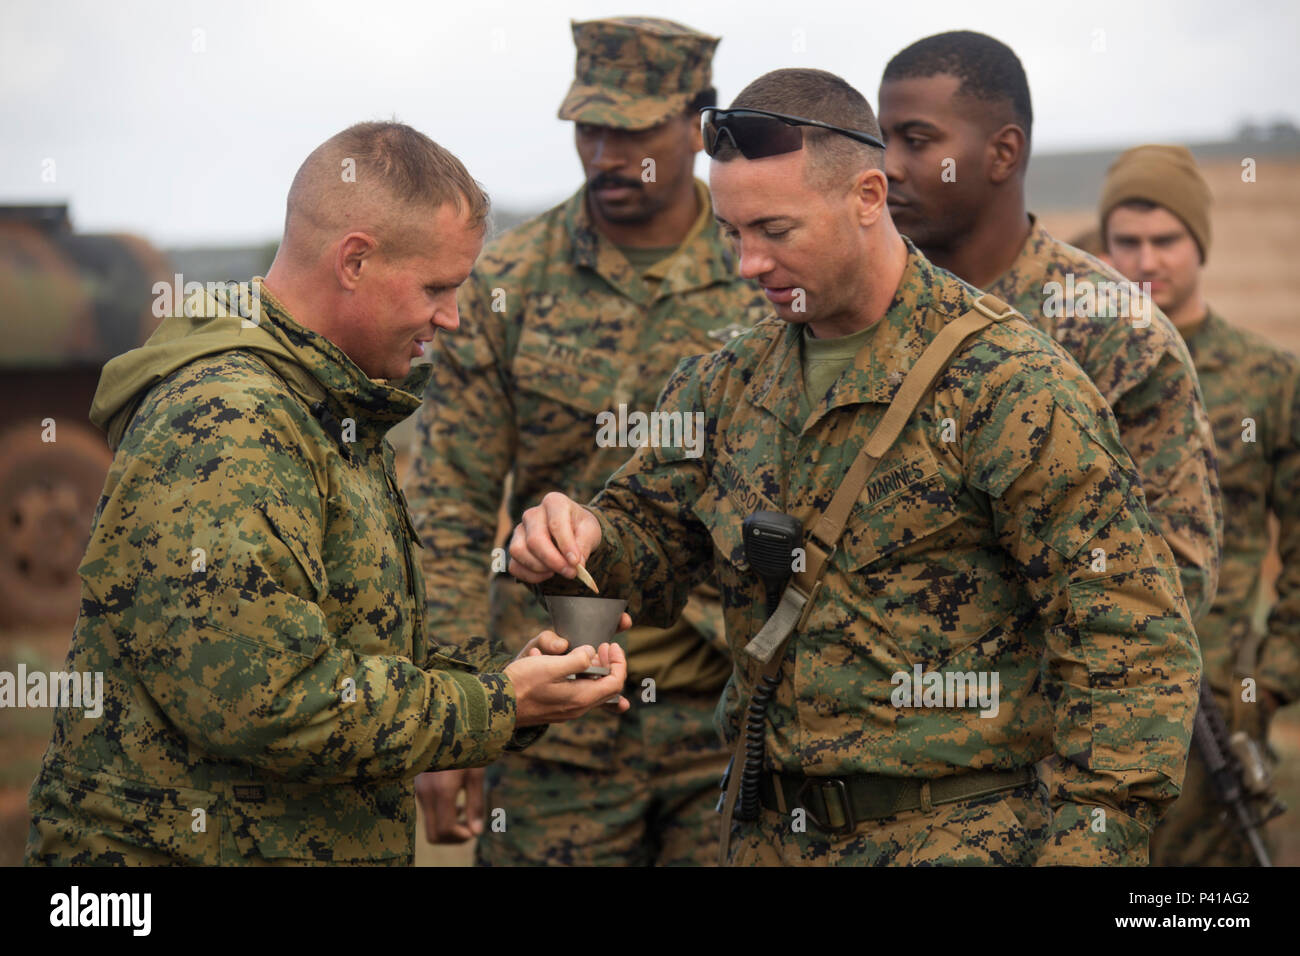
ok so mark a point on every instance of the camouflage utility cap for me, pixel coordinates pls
(636, 72)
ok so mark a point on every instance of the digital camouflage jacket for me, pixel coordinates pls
(252, 597)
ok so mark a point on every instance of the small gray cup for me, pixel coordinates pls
(586, 620)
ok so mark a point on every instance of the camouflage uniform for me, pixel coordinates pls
(251, 596)
(1147, 377)
(1245, 380)
(975, 554)
(556, 328)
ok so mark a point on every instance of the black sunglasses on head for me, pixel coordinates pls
(759, 133)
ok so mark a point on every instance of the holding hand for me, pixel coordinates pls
(543, 693)
(437, 792)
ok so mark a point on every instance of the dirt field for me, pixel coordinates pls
(1252, 279)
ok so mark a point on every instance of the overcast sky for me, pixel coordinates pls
(184, 120)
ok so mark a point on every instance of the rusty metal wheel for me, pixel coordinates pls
(48, 495)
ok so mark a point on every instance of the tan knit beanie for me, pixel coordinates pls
(1166, 176)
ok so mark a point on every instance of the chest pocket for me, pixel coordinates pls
(566, 384)
(572, 366)
(559, 389)
(905, 501)
(723, 507)
(917, 564)
(720, 514)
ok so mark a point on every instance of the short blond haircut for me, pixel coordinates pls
(382, 178)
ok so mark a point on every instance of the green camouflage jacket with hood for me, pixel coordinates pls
(252, 596)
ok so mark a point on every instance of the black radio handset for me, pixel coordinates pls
(770, 541)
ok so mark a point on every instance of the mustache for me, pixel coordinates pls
(606, 180)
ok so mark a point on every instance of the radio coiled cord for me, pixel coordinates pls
(755, 729)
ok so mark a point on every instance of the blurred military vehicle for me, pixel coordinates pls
(68, 303)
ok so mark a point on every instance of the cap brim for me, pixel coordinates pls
(603, 106)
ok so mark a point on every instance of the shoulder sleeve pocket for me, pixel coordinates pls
(269, 584)
(299, 541)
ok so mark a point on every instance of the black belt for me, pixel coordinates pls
(838, 804)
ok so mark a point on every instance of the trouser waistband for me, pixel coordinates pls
(838, 804)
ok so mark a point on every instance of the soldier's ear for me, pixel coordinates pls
(870, 191)
(1007, 147)
(349, 256)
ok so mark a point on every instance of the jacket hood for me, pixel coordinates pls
(246, 316)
